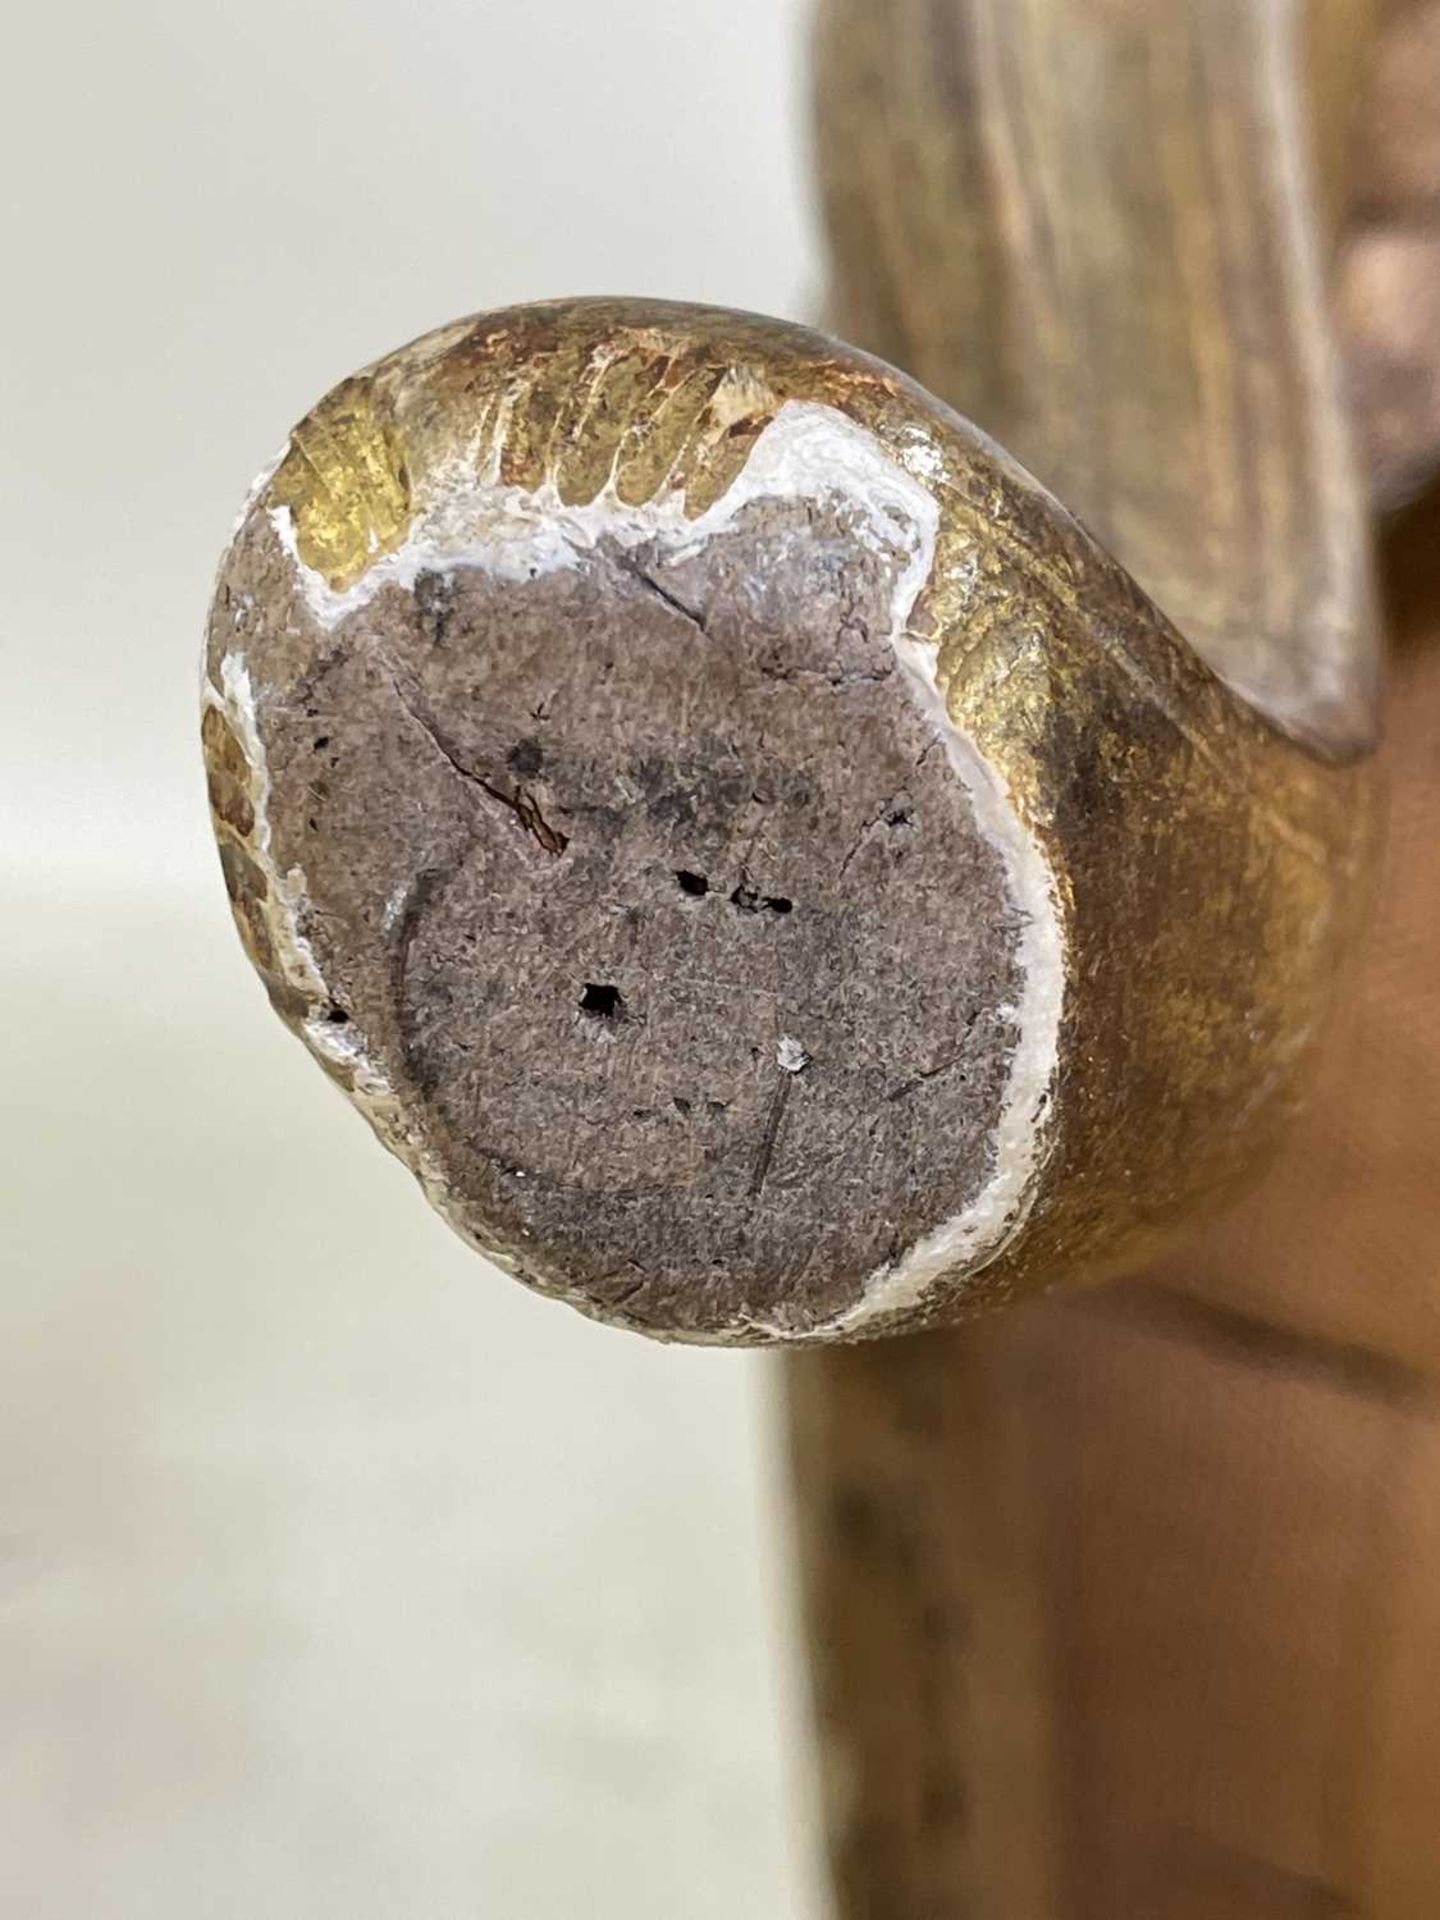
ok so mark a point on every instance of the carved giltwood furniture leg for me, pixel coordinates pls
(758, 859)
(776, 876)
(1128, 1603)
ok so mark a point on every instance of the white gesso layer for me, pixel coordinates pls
(980, 1233)
(342, 1046)
(807, 452)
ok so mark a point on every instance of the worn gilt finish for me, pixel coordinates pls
(1202, 864)
(1091, 225)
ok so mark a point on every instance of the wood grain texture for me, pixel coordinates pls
(1127, 1604)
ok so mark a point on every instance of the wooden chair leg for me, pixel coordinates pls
(1121, 1604)
(1129, 1603)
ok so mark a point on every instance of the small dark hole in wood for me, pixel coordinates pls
(322, 742)
(899, 818)
(602, 1002)
(337, 1017)
(748, 901)
(695, 884)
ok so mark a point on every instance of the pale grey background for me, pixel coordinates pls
(337, 1575)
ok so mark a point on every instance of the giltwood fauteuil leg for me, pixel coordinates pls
(781, 872)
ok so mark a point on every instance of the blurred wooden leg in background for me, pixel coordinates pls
(1128, 1603)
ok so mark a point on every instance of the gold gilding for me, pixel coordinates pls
(344, 480)
(1207, 868)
